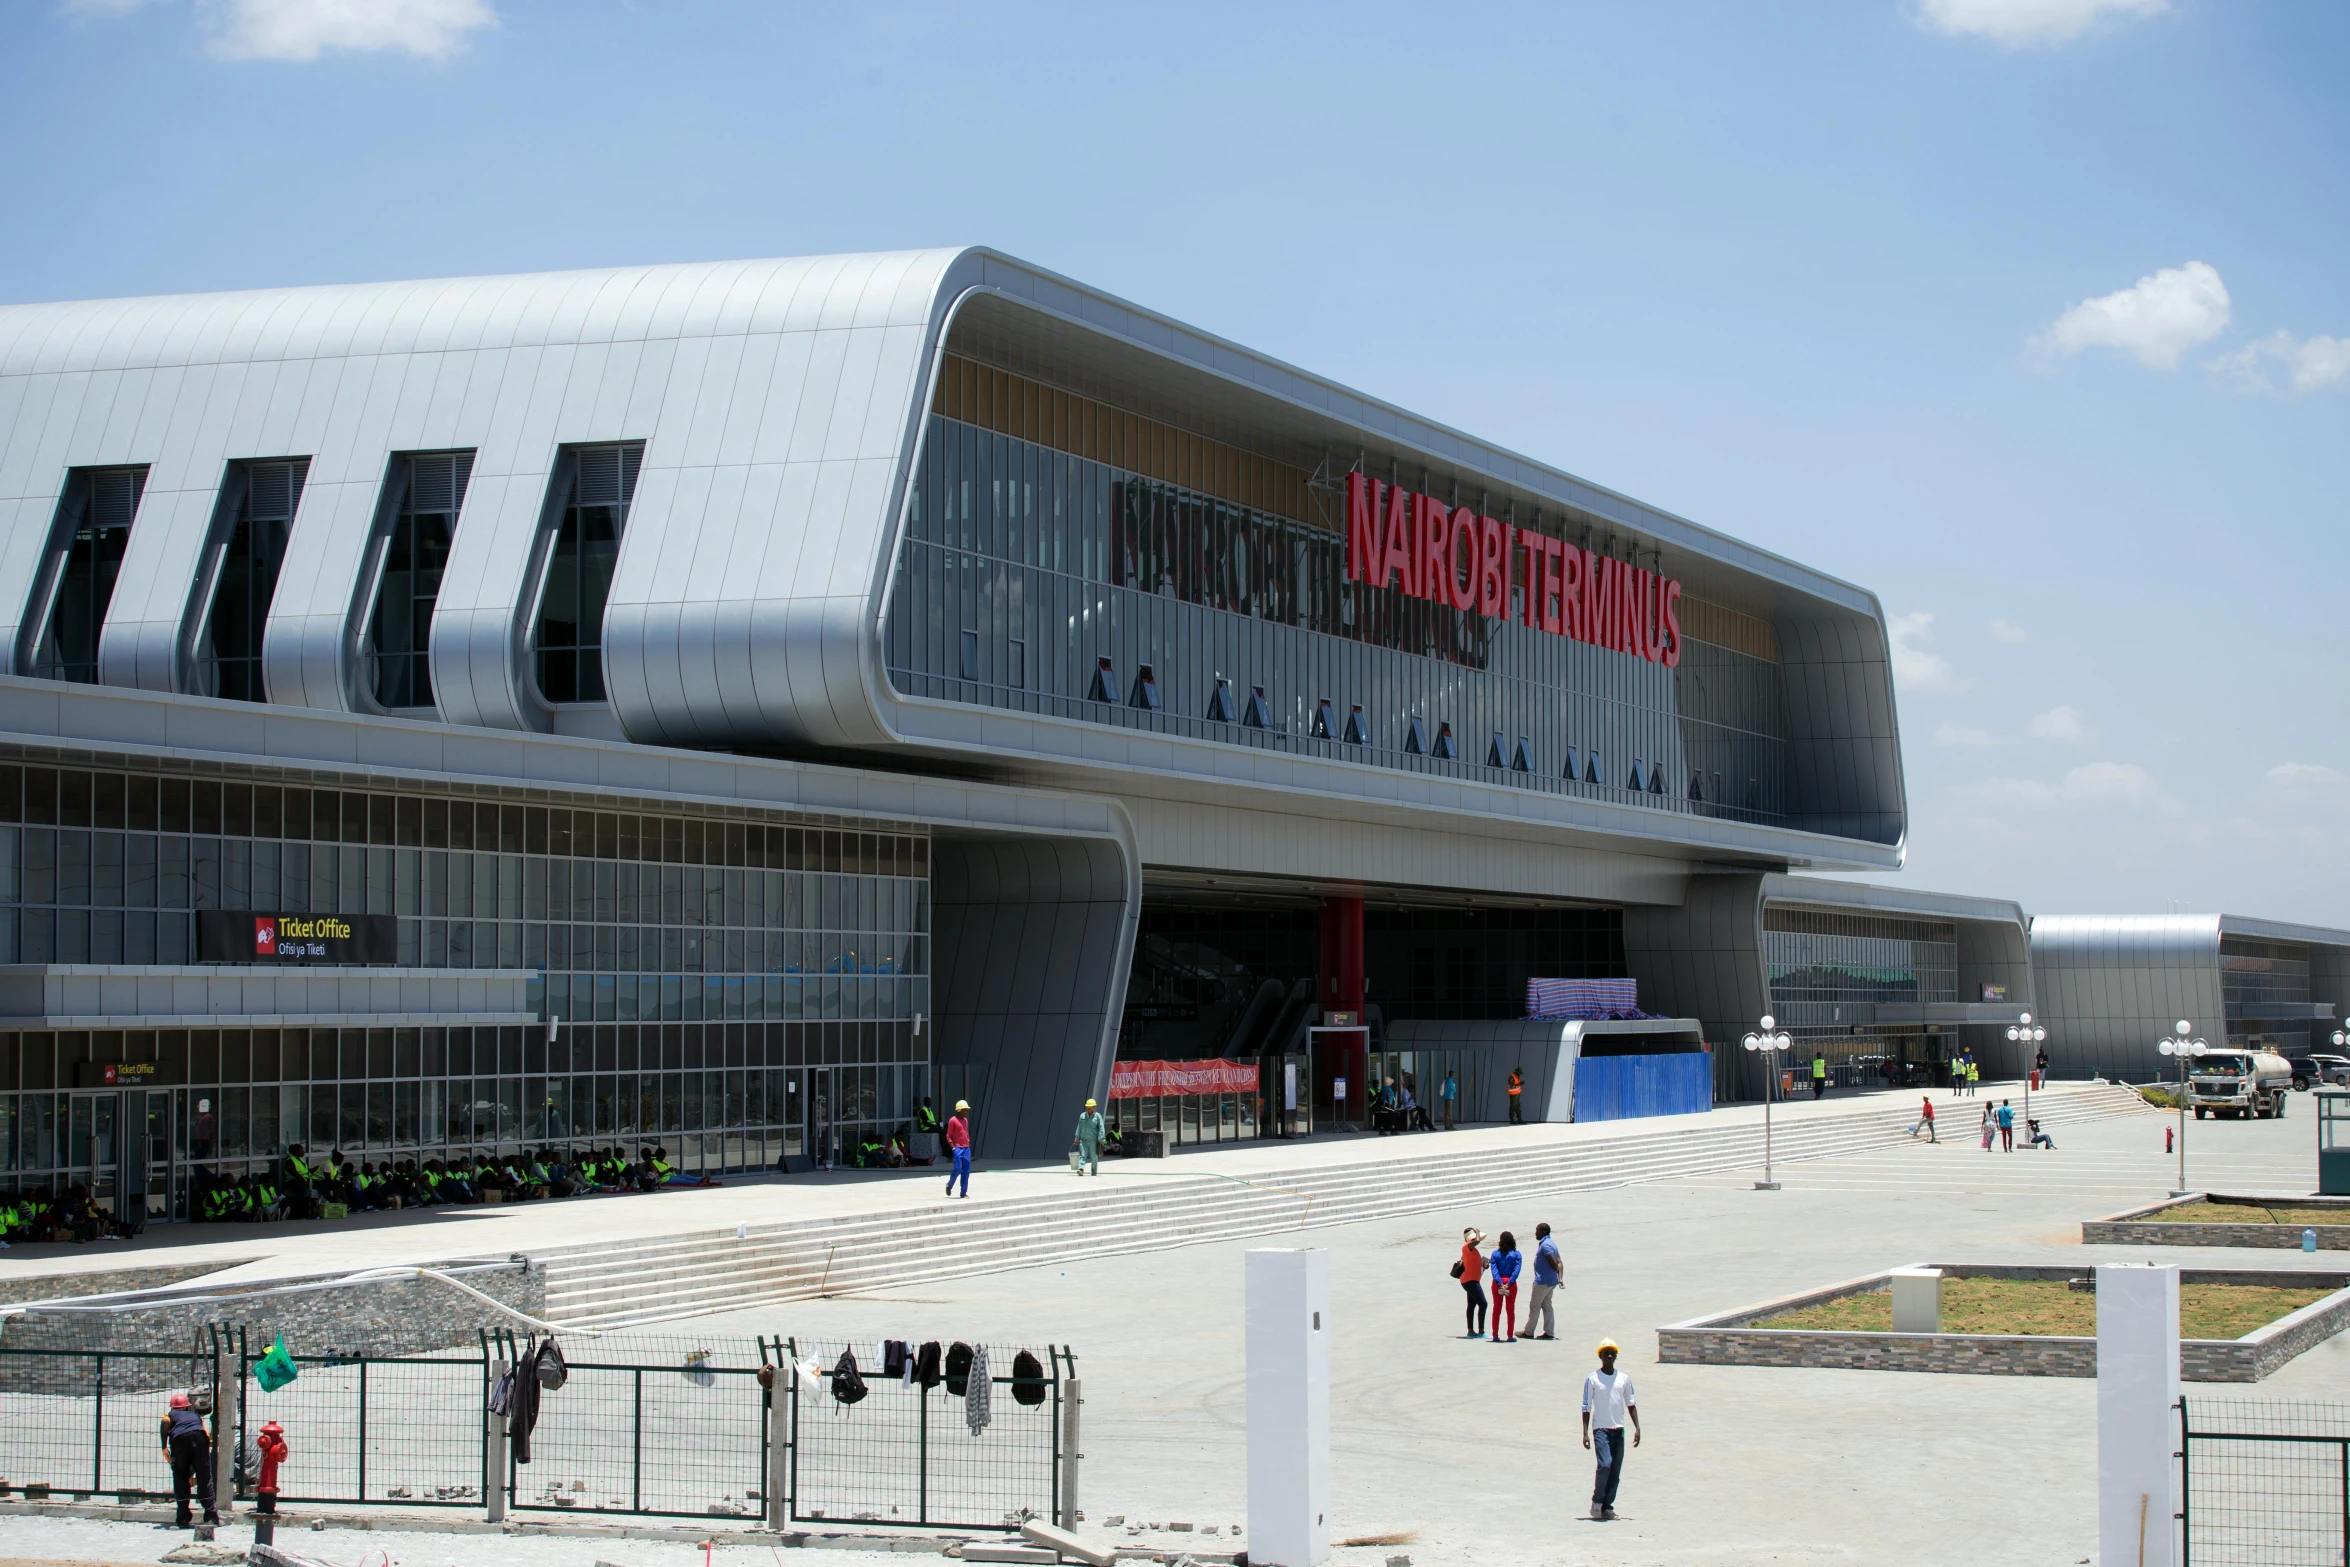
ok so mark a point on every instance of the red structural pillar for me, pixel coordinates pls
(1341, 968)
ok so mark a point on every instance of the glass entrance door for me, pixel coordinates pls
(821, 1115)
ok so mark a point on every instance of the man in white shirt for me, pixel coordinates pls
(1607, 1399)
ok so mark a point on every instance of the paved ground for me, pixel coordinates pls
(1472, 1445)
(272, 1250)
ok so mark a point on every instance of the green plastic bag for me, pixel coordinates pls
(275, 1369)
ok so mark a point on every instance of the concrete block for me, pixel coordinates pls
(1917, 1300)
(1067, 1544)
(1011, 1553)
(2137, 1389)
(1288, 1345)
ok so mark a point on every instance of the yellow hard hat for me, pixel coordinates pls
(1607, 1344)
(962, 1104)
(1089, 1104)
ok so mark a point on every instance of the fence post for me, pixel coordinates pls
(227, 1433)
(1072, 1399)
(778, 1395)
(493, 1448)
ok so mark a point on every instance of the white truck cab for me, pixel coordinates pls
(2239, 1083)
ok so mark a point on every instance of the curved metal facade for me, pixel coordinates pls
(2112, 985)
(782, 405)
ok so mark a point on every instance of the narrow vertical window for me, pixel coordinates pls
(248, 548)
(569, 638)
(425, 492)
(77, 581)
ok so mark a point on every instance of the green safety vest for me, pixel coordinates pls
(1819, 1066)
(301, 1168)
(661, 1167)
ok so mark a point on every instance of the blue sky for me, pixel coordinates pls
(2031, 315)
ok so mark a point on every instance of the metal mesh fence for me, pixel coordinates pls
(88, 1423)
(2267, 1483)
(647, 1424)
(667, 1426)
(392, 1429)
(909, 1454)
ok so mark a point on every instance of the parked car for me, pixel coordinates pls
(2313, 1069)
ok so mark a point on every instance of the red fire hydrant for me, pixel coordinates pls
(272, 1443)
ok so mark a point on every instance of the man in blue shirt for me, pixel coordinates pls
(1450, 1093)
(1539, 1313)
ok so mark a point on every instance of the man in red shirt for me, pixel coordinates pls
(959, 1139)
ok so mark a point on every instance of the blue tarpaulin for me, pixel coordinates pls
(1619, 1088)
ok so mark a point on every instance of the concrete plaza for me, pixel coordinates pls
(1471, 1445)
(1474, 1445)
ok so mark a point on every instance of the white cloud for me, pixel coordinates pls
(2058, 723)
(2305, 783)
(2097, 786)
(1913, 666)
(2023, 23)
(2157, 319)
(305, 29)
(2008, 631)
(1964, 734)
(2310, 362)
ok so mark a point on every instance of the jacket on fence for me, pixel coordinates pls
(926, 1365)
(958, 1369)
(977, 1409)
(522, 1417)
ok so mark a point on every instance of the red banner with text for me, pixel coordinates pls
(1142, 1079)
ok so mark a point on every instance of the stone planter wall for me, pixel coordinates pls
(2144, 1227)
(1732, 1339)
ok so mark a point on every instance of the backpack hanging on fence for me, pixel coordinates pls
(1027, 1380)
(275, 1369)
(959, 1369)
(847, 1385)
(552, 1372)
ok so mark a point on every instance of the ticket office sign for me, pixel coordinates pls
(251, 936)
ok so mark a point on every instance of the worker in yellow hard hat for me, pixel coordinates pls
(1086, 1150)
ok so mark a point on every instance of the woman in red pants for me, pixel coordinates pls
(1504, 1266)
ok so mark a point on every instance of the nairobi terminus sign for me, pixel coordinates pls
(246, 936)
(1450, 555)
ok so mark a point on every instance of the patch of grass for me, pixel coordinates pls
(2247, 1213)
(2159, 1097)
(2054, 1308)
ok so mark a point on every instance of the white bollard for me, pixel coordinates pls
(1917, 1300)
(1288, 1313)
(2137, 1392)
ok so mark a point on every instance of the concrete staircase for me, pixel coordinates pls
(632, 1282)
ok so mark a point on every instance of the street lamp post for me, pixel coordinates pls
(1768, 1043)
(2026, 1032)
(2186, 1050)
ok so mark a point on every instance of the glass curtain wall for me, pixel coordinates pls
(629, 915)
(2257, 980)
(1039, 581)
(717, 1096)
(1829, 971)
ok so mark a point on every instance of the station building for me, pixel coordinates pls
(2114, 985)
(717, 705)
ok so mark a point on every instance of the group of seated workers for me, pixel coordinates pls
(299, 1188)
(70, 1215)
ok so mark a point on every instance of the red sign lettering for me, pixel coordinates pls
(1450, 555)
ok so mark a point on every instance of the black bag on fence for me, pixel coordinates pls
(551, 1371)
(1027, 1379)
(847, 1385)
(959, 1369)
(927, 1371)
